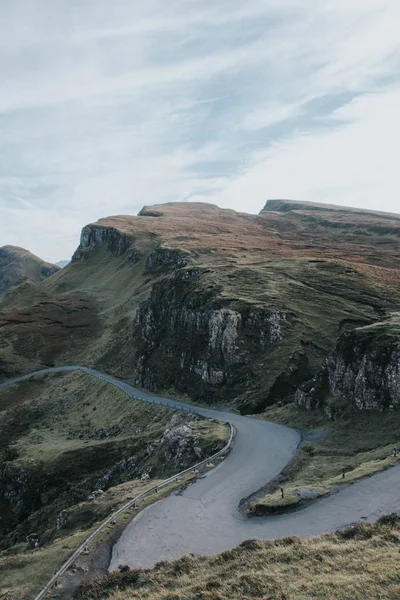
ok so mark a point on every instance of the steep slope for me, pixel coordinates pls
(219, 305)
(18, 265)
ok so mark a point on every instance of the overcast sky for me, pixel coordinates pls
(107, 106)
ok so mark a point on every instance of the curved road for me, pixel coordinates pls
(205, 519)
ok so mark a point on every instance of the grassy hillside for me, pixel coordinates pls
(18, 265)
(222, 306)
(358, 563)
(64, 437)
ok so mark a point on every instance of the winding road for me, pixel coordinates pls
(205, 519)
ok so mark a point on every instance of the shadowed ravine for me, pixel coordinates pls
(205, 518)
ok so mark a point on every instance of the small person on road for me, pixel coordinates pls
(343, 474)
(282, 493)
(395, 451)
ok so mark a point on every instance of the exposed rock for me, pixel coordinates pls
(364, 368)
(146, 212)
(313, 393)
(149, 450)
(182, 326)
(197, 450)
(164, 258)
(62, 519)
(179, 445)
(133, 255)
(93, 236)
(32, 541)
(175, 419)
(100, 434)
(20, 489)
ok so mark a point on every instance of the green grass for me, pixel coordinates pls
(360, 443)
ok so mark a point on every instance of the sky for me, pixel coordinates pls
(109, 106)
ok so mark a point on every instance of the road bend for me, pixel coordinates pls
(205, 518)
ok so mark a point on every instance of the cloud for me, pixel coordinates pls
(106, 106)
(354, 164)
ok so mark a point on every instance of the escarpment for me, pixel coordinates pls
(364, 368)
(224, 306)
(93, 236)
(189, 337)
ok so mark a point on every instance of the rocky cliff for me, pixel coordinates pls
(92, 237)
(184, 328)
(364, 369)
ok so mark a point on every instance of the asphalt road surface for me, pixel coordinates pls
(205, 518)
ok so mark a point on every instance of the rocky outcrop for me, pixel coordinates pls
(188, 337)
(313, 393)
(164, 258)
(180, 446)
(93, 236)
(147, 212)
(364, 368)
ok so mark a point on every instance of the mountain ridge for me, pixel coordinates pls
(285, 205)
(208, 302)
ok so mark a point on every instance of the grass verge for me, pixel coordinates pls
(358, 563)
(357, 444)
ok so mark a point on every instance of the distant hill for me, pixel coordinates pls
(62, 263)
(18, 265)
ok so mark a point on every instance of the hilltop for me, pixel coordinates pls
(218, 305)
(18, 265)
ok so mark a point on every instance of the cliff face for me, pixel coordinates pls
(86, 451)
(364, 368)
(18, 265)
(95, 236)
(189, 338)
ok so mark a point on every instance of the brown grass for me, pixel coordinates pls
(358, 564)
(348, 236)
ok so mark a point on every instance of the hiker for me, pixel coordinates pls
(395, 451)
(343, 474)
(282, 493)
